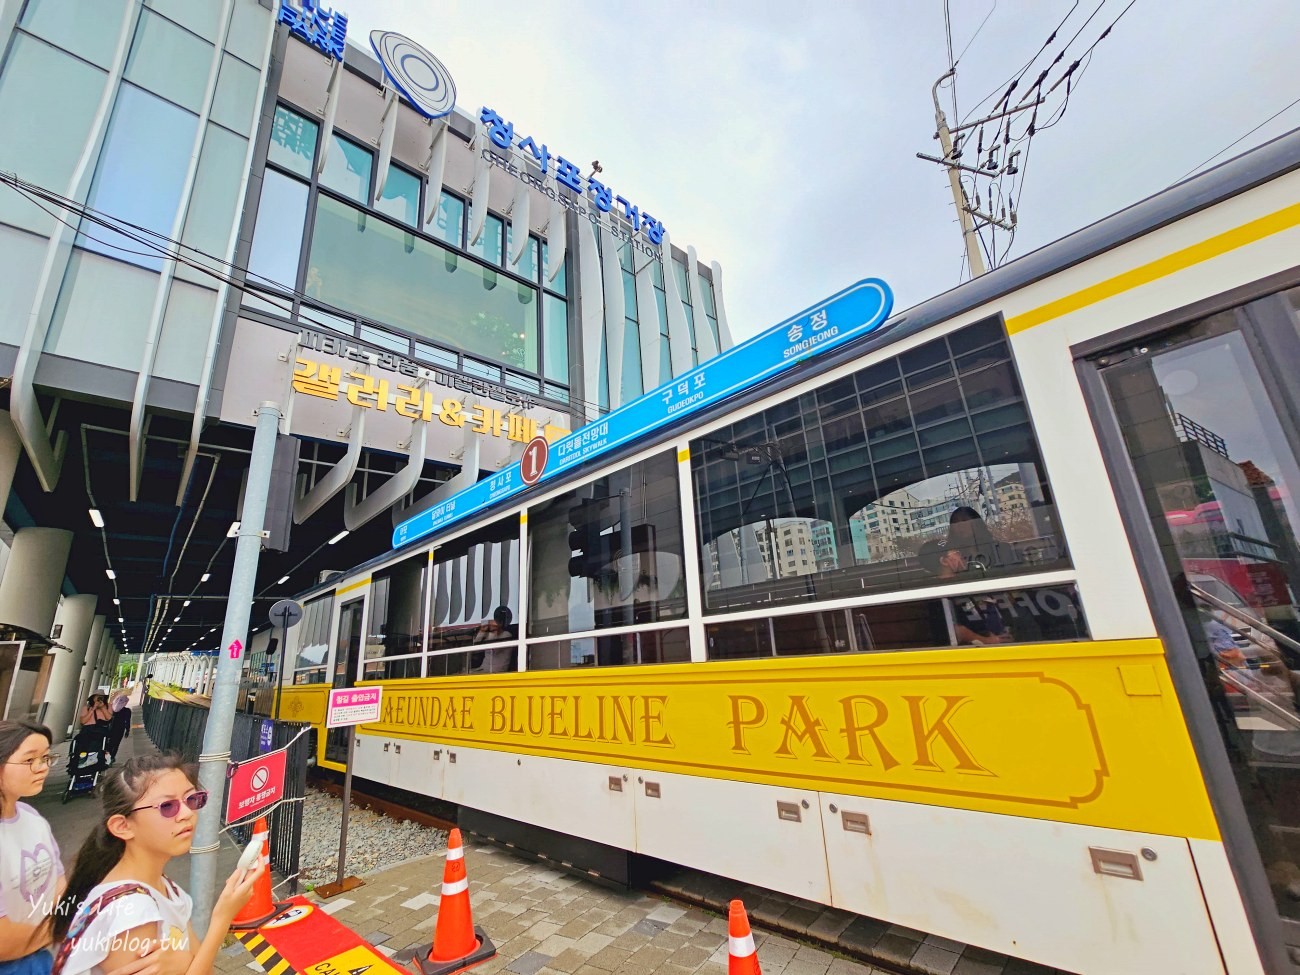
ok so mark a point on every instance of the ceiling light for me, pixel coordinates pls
(233, 530)
(283, 580)
(116, 601)
(110, 573)
(169, 629)
(206, 577)
(176, 620)
(186, 603)
(120, 620)
(339, 537)
(96, 518)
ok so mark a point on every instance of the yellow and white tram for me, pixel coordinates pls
(984, 623)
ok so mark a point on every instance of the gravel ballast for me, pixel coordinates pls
(374, 841)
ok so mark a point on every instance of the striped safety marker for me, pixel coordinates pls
(742, 956)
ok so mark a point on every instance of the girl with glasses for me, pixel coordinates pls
(31, 872)
(119, 906)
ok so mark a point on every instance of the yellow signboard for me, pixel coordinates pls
(1081, 732)
(314, 378)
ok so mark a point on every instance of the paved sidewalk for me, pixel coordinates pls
(545, 921)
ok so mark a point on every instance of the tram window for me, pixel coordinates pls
(391, 668)
(581, 578)
(652, 647)
(313, 635)
(856, 486)
(1039, 615)
(476, 589)
(502, 659)
(396, 619)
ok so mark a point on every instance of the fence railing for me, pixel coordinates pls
(173, 726)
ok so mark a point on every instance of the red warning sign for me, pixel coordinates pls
(255, 785)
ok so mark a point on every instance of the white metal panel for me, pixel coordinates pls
(1025, 887)
(647, 310)
(1114, 601)
(724, 328)
(478, 203)
(519, 222)
(734, 829)
(569, 797)
(705, 343)
(591, 305)
(1236, 942)
(679, 337)
(417, 766)
(373, 757)
(615, 315)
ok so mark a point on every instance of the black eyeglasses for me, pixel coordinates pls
(37, 763)
(170, 807)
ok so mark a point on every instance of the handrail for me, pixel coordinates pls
(1233, 611)
(1260, 698)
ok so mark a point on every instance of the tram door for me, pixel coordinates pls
(347, 654)
(1209, 417)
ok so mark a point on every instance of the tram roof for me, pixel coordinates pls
(1222, 182)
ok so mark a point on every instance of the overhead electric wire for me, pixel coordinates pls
(1016, 76)
(1237, 141)
(973, 36)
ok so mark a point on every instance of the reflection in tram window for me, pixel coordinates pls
(476, 589)
(653, 647)
(1040, 615)
(396, 618)
(502, 659)
(391, 668)
(917, 468)
(313, 635)
(1209, 444)
(608, 553)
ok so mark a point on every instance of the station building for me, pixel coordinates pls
(210, 206)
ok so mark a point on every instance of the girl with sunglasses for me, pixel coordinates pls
(31, 873)
(119, 906)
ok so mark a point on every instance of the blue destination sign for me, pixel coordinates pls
(853, 312)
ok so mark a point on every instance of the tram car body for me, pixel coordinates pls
(936, 626)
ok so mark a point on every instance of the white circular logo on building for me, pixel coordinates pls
(416, 73)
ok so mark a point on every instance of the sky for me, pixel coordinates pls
(780, 139)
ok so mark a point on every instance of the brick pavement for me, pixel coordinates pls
(545, 921)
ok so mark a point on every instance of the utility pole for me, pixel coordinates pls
(970, 217)
(974, 259)
(230, 662)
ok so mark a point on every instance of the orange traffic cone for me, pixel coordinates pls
(457, 944)
(260, 907)
(742, 956)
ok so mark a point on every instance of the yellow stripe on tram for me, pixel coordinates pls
(355, 585)
(1179, 260)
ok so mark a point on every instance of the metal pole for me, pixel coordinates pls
(347, 804)
(225, 691)
(279, 664)
(973, 256)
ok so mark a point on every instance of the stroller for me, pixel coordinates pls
(87, 758)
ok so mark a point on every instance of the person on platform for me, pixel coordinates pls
(31, 870)
(96, 712)
(119, 909)
(119, 726)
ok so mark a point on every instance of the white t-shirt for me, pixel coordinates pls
(170, 912)
(30, 866)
